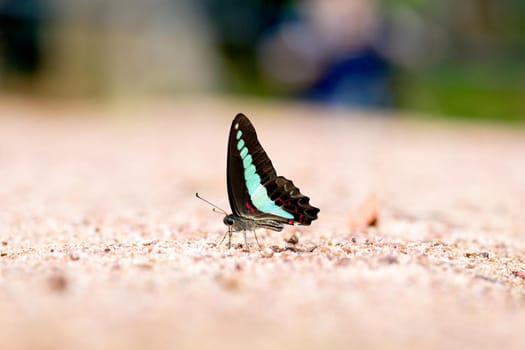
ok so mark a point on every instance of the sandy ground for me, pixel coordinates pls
(104, 246)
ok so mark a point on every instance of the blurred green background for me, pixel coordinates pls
(461, 59)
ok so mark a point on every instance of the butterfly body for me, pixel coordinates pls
(240, 223)
(258, 197)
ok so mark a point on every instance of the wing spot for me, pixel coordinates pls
(240, 145)
(249, 207)
(246, 160)
(244, 153)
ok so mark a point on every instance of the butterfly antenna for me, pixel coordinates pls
(215, 208)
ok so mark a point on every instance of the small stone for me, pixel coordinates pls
(74, 256)
(144, 265)
(389, 260)
(347, 249)
(354, 240)
(485, 255)
(310, 248)
(343, 261)
(488, 279)
(293, 239)
(519, 274)
(229, 282)
(57, 283)
(325, 250)
(4, 243)
(267, 252)
(276, 248)
(291, 248)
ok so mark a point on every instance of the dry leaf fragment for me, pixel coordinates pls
(365, 214)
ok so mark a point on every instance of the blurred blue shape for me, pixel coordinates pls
(360, 79)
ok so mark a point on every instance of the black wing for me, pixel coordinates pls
(259, 193)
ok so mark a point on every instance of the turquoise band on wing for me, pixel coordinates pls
(257, 191)
(247, 159)
(244, 152)
(240, 144)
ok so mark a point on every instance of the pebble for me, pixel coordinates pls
(267, 252)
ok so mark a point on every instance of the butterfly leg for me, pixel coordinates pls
(245, 240)
(229, 238)
(257, 240)
(222, 240)
(229, 234)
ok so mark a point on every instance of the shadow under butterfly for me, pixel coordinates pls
(258, 197)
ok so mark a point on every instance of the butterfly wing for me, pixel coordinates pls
(287, 196)
(254, 189)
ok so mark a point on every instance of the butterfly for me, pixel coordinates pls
(258, 197)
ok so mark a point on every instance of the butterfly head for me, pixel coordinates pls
(229, 220)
